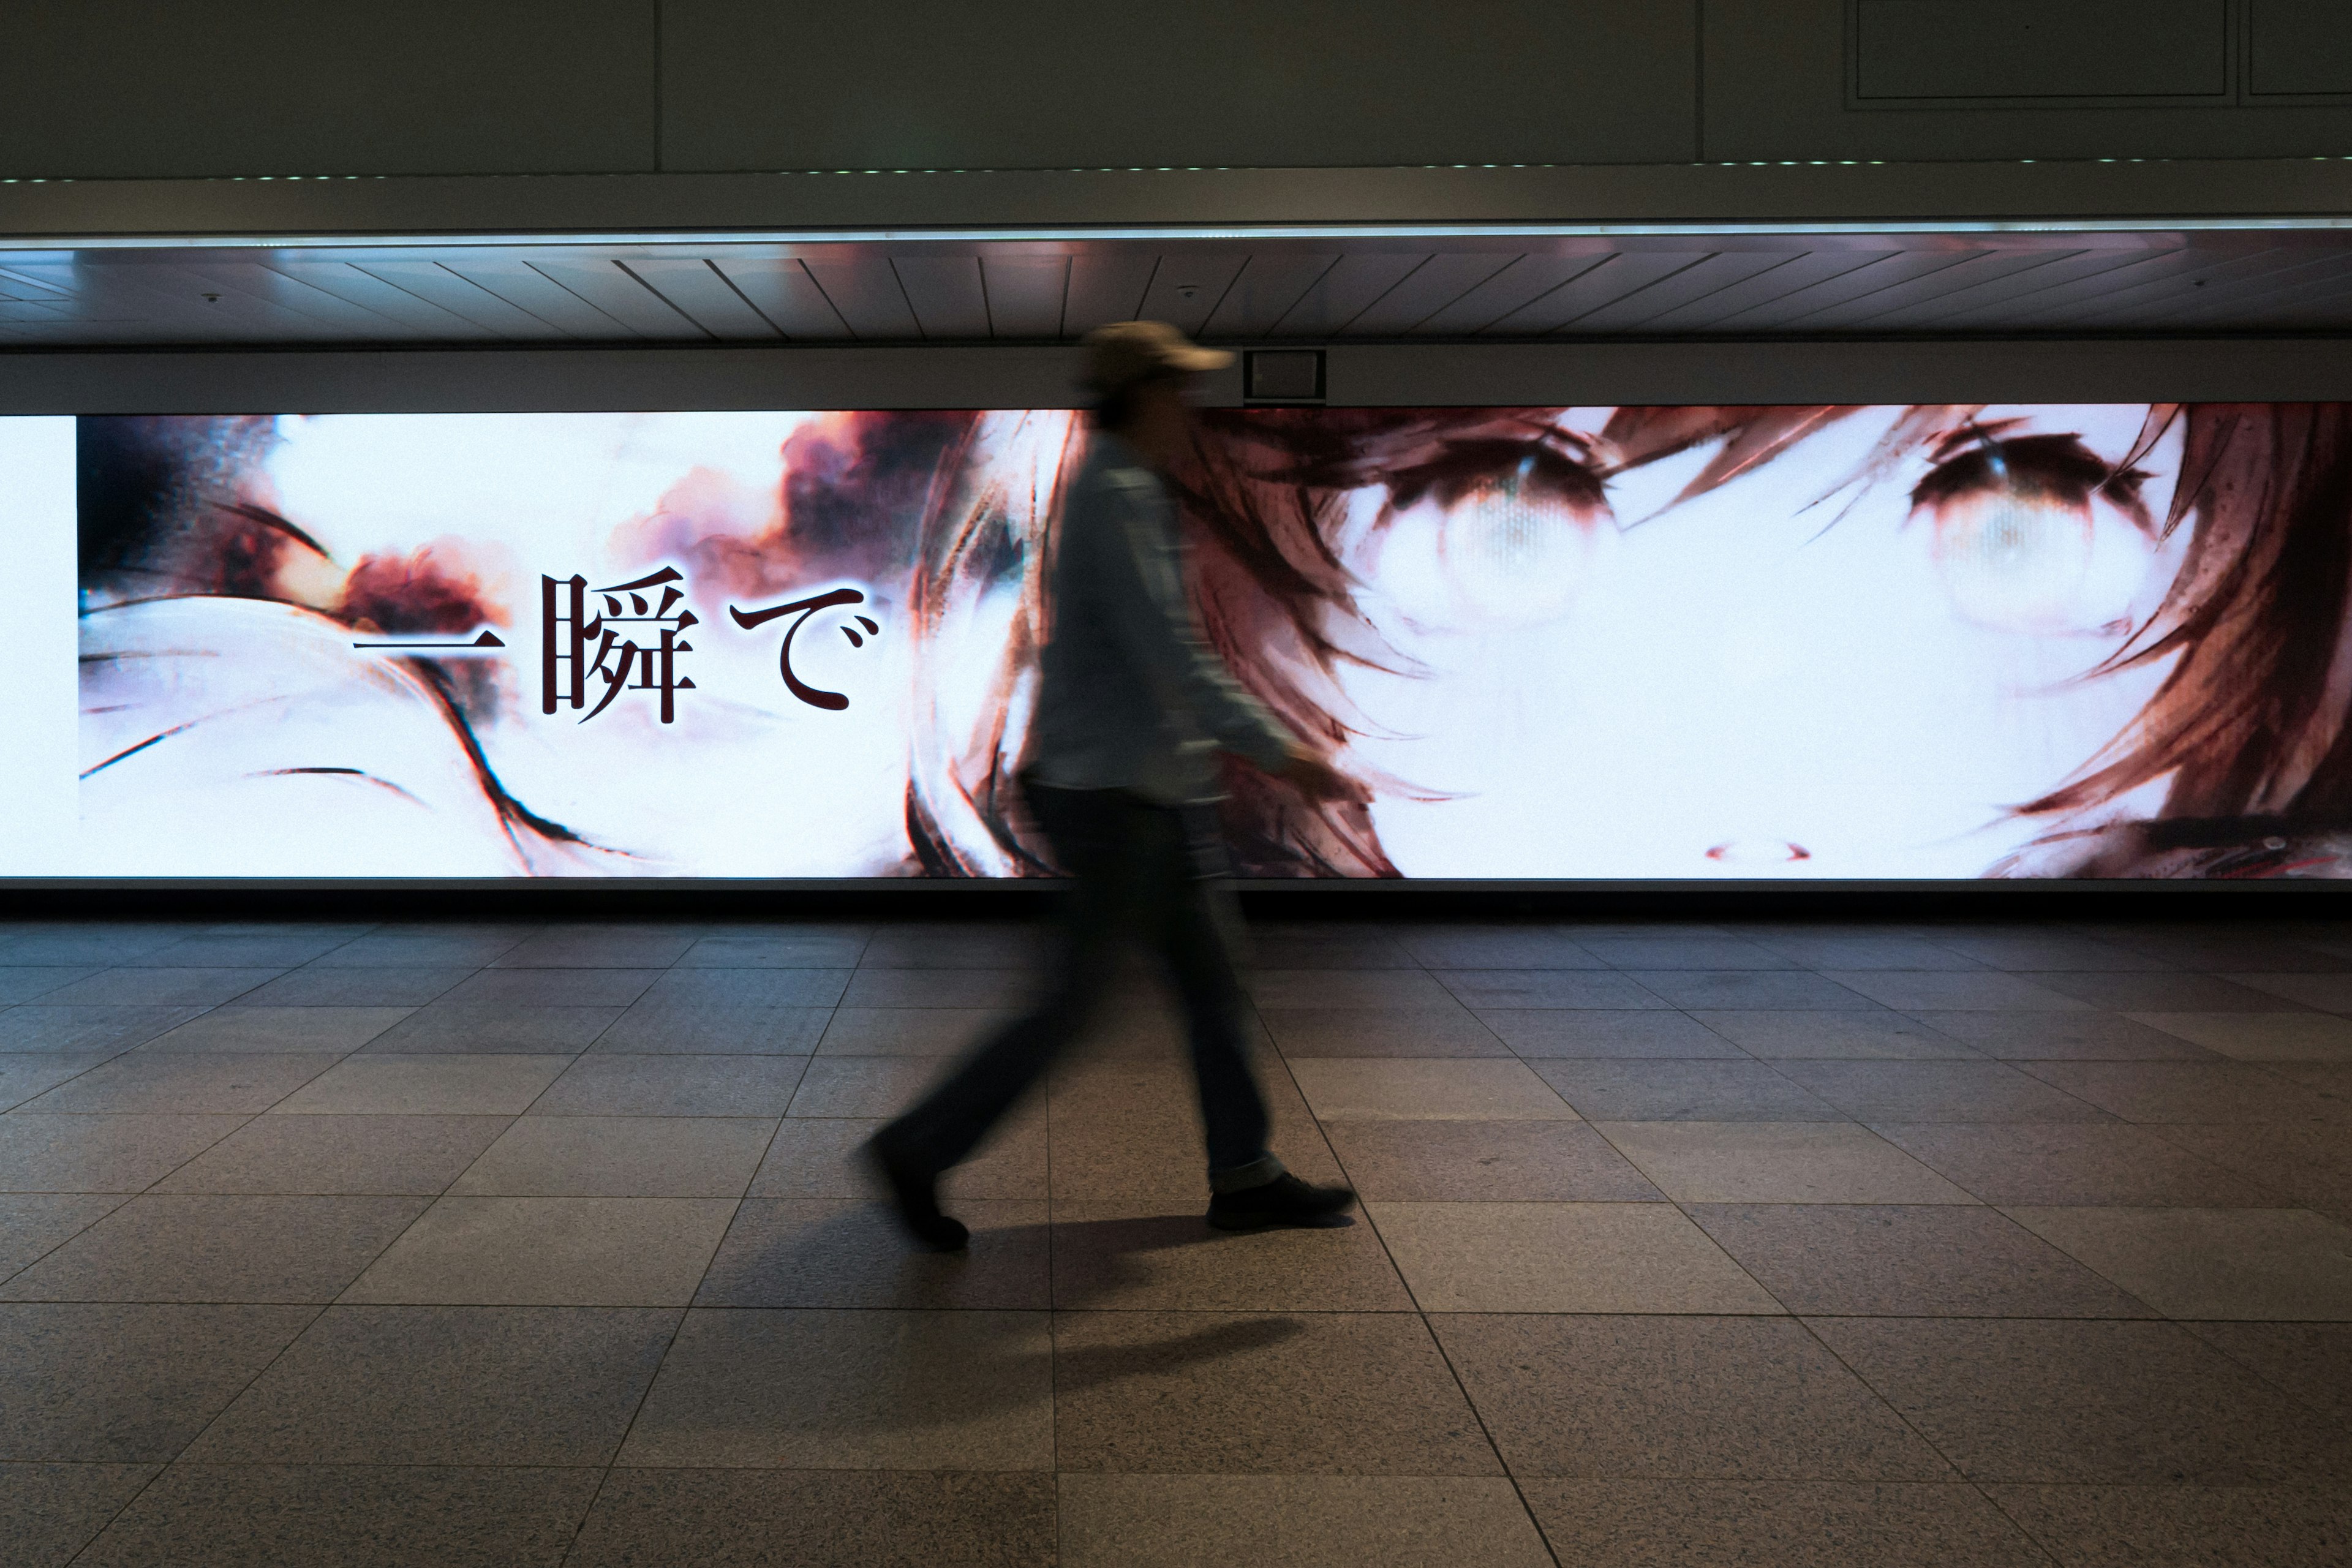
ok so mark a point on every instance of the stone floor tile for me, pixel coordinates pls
(31, 1076)
(1701, 1398)
(2072, 1162)
(863, 1086)
(873, 987)
(1130, 1254)
(461, 1085)
(1916, 991)
(2330, 993)
(1862, 952)
(201, 1248)
(2161, 1093)
(240, 1028)
(2168, 993)
(1535, 1032)
(34, 1223)
(1939, 1091)
(747, 988)
(1296, 1521)
(1600, 989)
(1497, 945)
(2085, 1402)
(48, 1512)
(2064, 1036)
(2036, 949)
(958, 944)
(367, 1516)
(28, 984)
(39, 1029)
(2185, 1527)
(753, 1388)
(1368, 988)
(1314, 1394)
(1485, 1161)
(466, 951)
(1742, 990)
(654, 1027)
(550, 1252)
(620, 1157)
(1340, 1088)
(317, 985)
(352, 1156)
(2265, 1264)
(590, 950)
(160, 987)
(1562, 1258)
(120, 1383)
(2312, 1361)
(2261, 1037)
(1789, 1524)
(1716, 952)
(1682, 1091)
(1353, 945)
(447, 1385)
(185, 1083)
(207, 950)
(1919, 1260)
(816, 947)
(910, 1031)
(615, 988)
(1380, 1032)
(843, 1252)
(1776, 1162)
(674, 1086)
(2305, 1162)
(818, 1157)
(87, 948)
(818, 1519)
(482, 1028)
(99, 1154)
(1845, 1034)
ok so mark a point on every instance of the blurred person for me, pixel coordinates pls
(1119, 775)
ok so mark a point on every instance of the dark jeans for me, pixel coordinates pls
(1140, 869)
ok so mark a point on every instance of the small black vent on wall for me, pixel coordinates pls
(1282, 376)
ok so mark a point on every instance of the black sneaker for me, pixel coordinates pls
(1286, 1200)
(916, 1191)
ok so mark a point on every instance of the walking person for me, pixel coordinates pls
(1121, 776)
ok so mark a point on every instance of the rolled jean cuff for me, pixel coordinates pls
(1240, 1178)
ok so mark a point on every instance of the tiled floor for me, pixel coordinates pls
(1795, 1244)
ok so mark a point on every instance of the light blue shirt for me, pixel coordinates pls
(1131, 696)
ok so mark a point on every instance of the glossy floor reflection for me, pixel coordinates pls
(1947, 1245)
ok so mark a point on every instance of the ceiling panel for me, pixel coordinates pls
(701, 293)
(868, 296)
(1024, 294)
(2019, 288)
(2233, 279)
(1189, 284)
(1766, 287)
(1426, 291)
(1264, 292)
(1106, 287)
(783, 292)
(338, 318)
(606, 284)
(1619, 275)
(946, 294)
(435, 284)
(524, 286)
(1526, 278)
(1886, 272)
(1340, 294)
(1982, 268)
(2164, 268)
(429, 322)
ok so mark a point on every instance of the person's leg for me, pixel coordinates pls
(1087, 830)
(1248, 1184)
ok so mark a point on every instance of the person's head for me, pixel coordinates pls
(1139, 372)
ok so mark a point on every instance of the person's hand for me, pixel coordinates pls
(1312, 776)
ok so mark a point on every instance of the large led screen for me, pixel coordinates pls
(1846, 642)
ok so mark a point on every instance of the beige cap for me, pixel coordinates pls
(1125, 353)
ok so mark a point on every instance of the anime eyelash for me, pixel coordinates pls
(1464, 467)
(1978, 458)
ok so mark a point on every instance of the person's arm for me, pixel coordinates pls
(1143, 586)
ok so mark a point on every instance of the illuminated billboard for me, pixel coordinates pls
(1650, 643)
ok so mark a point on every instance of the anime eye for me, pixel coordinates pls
(2028, 536)
(1492, 533)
